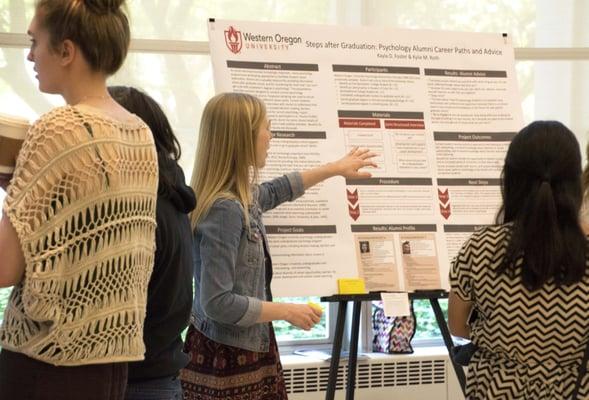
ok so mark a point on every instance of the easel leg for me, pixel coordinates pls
(448, 341)
(351, 386)
(336, 350)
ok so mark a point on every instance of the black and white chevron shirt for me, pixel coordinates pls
(531, 341)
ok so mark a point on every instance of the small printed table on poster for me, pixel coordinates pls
(357, 299)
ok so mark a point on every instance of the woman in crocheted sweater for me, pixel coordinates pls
(78, 228)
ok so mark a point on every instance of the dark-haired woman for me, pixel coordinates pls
(527, 276)
(77, 235)
(169, 295)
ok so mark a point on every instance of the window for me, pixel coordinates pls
(427, 327)
(170, 61)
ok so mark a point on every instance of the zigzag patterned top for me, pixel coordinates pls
(82, 202)
(532, 342)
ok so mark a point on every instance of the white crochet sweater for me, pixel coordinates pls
(82, 201)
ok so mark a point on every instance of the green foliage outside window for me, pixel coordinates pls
(427, 327)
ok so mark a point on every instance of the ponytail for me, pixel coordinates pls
(542, 251)
(542, 195)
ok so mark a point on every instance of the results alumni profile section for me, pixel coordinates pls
(387, 253)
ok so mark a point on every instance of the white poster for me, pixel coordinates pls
(439, 109)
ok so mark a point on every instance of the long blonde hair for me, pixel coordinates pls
(225, 164)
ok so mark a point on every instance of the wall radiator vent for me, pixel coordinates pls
(369, 374)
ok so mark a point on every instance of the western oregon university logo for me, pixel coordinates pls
(233, 39)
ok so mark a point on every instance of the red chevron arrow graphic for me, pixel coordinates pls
(443, 196)
(445, 211)
(352, 196)
(354, 212)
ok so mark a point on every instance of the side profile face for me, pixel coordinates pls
(263, 143)
(47, 62)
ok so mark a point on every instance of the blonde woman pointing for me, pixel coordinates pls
(231, 340)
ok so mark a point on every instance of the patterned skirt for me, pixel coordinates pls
(218, 371)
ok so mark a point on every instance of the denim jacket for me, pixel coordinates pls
(229, 266)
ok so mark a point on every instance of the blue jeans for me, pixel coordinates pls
(168, 388)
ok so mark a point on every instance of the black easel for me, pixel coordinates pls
(357, 299)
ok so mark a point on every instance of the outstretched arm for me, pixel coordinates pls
(347, 166)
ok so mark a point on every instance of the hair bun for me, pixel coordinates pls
(103, 6)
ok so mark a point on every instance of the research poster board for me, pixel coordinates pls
(439, 109)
